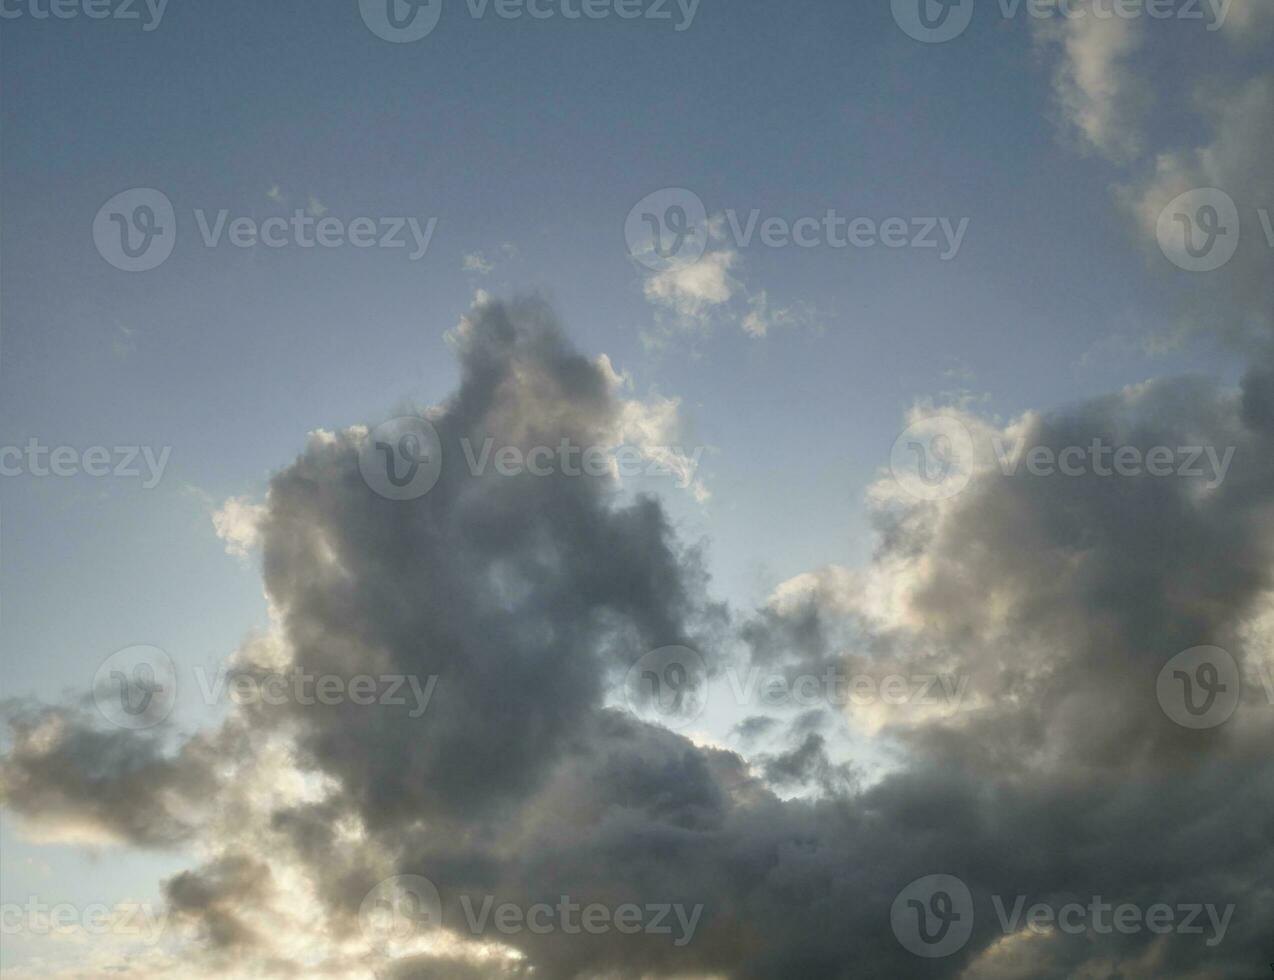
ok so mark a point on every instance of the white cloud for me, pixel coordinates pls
(693, 291)
(237, 523)
(1100, 94)
(476, 262)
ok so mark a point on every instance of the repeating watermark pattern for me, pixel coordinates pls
(668, 686)
(406, 907)
(136, 687)
(399, 909)
(1201, 688)
(667, 228)
(136, 231)
(939, 21)
(36, 459)
(935, 458)
(274, 689)
(64, 920)
(401, 459)
(933, 917)
(573, 918)
(150, 13)
(1100, 458)
(671, 686)
(841, 689)
(670, 228)
(568, 459)
(405, 21)
(1200, 230)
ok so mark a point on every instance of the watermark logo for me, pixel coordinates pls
(401, 459)
(933, 916)
(35, 459)
(405, 907)
(1103, 918)
(404, 21)
(933, 21)
(89, 9)
(248, 688)
(34, 917)
(933, 458)
(668, 687)
(569, 459)
(400, 909)
(1103, 459)
(401, 21)
(1200, 688)
(938, 21)
(667, 229)
(136, 230)
(840, 689)
(1199, 231)
(136, 687)
(573, 918)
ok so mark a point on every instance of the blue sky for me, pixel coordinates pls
(529, 142)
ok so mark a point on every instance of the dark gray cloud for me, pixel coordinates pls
(74, 779)
(528, 598)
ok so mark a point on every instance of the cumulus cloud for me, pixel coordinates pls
(237, 524)
(694, 290)
(1100, 93)
(529, 598)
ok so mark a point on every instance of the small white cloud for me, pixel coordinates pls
(476, 262)
(315, 208)
(275, 194)
(237, 523)
(761, 317)
(693, 291)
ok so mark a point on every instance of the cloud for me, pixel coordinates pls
(695, 290)
(72, 780)
(529, 599)
(1239, 300)
(1100, 93)
(237, 523)
(475, 262)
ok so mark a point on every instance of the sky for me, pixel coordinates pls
(803, 279)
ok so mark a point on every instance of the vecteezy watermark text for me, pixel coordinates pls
(841, 689)
(136, 231)
(407, 906)
(1103, 459)
(125, 462)
(89, 9)
(672, 686)
(670, 227)
(404, 21)
(36, 917)
(568, 459)
(272, 688)
(936, 458)
(933, 917)
(938, 21)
